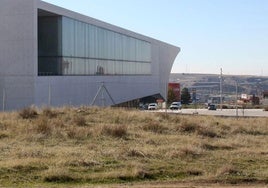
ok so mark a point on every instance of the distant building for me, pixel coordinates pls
(53, 56)
(265, 98)
(244, 96)
(215, 99)
(255, 100)
(176, 89)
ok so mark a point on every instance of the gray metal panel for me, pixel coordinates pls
(18, 64)
(17, 37)
(80, 90)
(121, 88)
(17, 52)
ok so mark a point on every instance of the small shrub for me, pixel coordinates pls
(43, 126)
(3, 135)
(175, 119)
(116, 120)
(188, 127)
(78, 133)
(194, 172)
(83, 163)
(163, 116)
(207, 146)
(29, 168)
(49, 113)
(206, 132)
(28, 113)
(147, 119)
(141, 174)
(138, 174)
(3, 126)
(239, 130)
(135, 153)
(190, 152)
(228, 170)
(118, 131)
(212, 147)
(79, 120)
(248, 131)
(154, 127)
(59, 123)
(60, 179)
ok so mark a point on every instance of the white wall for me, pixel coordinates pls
(18, 52)
(18, 64)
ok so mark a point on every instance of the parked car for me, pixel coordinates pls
(152, 106)
(175, 106)
(212, 107)
(143, 106)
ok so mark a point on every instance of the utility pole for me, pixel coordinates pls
(194, 100)
(236, 109)
(221, 89)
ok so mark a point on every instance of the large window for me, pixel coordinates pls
(49, 45)
(71, 47)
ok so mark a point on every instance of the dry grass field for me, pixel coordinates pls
(69, 147)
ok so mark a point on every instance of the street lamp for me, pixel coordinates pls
(221, 89)
(236, 109)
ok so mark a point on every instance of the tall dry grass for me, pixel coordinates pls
(109, 145)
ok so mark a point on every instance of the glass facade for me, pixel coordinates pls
(71, 47)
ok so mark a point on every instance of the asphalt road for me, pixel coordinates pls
(223, 112)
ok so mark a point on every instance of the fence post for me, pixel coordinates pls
(49, 94)
(4, 99)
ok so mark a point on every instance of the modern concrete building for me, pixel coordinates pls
(53, 56)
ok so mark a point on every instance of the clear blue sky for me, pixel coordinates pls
(212, 34)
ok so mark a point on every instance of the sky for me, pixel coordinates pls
(231, 35)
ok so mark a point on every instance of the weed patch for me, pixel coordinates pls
(140, 175)
(49, 113)
(190, 152)
(194, 172)
(79, 120)
(154, 127)
(118, 131)
(208, 146)
(135, 153)
(28, 113)
(186, 152)
(3, 135)
(43, 126)
(228, 170)
(78, 133)
(207, 132)
(28, 168)
(61, 179)
(188, 127)
(83, 163)
(249, 131)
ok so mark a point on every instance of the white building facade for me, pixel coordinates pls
(50, 56)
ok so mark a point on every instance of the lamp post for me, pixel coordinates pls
(221, 89)
(236, 109)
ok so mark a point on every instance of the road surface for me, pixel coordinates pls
(223, 112)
